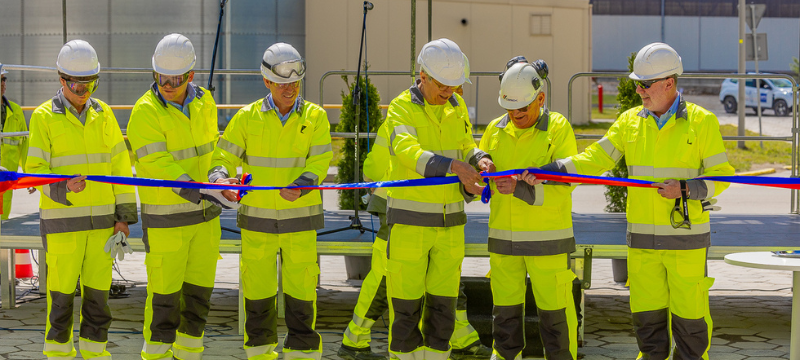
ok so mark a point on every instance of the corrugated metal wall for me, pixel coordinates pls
(707, 44)
(125, 33)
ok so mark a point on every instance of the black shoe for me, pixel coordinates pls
(351, 353)
(474, 351)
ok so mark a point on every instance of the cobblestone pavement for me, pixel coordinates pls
(751, 310)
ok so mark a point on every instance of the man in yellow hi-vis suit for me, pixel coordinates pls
(429, 136)
(74, 133)
(281, 140)
(667, 140)
(173, 130)
(530, 227)
(372, 299)
(14, 149)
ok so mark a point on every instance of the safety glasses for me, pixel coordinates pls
(646, 84)
(174, 81)
(442, 87)
(679, 218)
(287, 68)
(80, 87)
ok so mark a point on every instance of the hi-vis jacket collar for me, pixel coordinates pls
(417, 98)
(5, 102)
(265, 106)
(541, 124)
(154, 88)
(59, 108)
(679, 114)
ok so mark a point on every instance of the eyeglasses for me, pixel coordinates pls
(285, 69)
(682, 221)
(174, 81)
(442, 87)
(80, 87)
(290, 85)
(646, 84)
(522, 109)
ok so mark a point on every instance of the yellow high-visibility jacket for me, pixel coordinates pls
(534, 220)
(423, 146)
(14, 149)
(689, 145)
(60, 144)
(376, 168)
(170, 146)
(277, 155)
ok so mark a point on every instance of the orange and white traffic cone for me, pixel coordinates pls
(22, 258)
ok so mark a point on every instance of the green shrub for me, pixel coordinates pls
(347, 124)
(617, 196)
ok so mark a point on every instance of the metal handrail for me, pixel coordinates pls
(795, 200)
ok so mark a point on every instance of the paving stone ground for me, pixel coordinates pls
(751, 310)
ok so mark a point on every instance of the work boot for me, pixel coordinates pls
(475, 350)
(351, 353)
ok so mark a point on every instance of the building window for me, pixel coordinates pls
(540, 24)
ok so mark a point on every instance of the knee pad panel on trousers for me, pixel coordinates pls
(95, 313)
(195, 306)
(60, 317)
(405, 334)
(379, 303)
(262, 321)
(438, 321)
(166, 317)
(691, 338)
(652, 333)
(508, 330)
(554, 330)
(300, 321)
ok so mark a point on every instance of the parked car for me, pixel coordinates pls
(776, 94)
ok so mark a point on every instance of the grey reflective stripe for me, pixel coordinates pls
(381, 141)
(362, 322)
(422, 162)
(568, 165)
(418, 354)
(154, 349)
(37, 152)
(669, 173)
(319, 149)
(418, 206)
(258, 350)
(668, 229)
(271, 162)
(191, 152)
(80, 159)
(280, 226)
(125, 198)
(281, 214)
(610, 149)
(471, 155)
(119, 148)
(184, 177)
(356, 338)
(150, 149)
(400, 129)
(715, 160)
(453, 154)
(230, 147)
(436, 355)
(10, 141)
(710, 189)
(462, 332)
(91, 346)
(172, 209)
(182, 354)
(65, 348)
(530, 235)
(310, 176)
(186, 341)
(531, 248)
(301, 354)
(77, 211)
(538, 190)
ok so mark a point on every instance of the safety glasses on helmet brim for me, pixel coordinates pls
(286, 68)
(174, 81)
(82, 86)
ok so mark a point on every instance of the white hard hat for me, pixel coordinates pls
(174, 55)
(443, 60)
(282, 64)
(78, 58)
(2, 71)
(521, 83)
(656, 61)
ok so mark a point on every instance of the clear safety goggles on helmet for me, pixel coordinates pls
(679, 218)
(286, 68)
(174, 81)
(81, 86)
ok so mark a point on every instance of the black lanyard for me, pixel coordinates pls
(686, 223)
